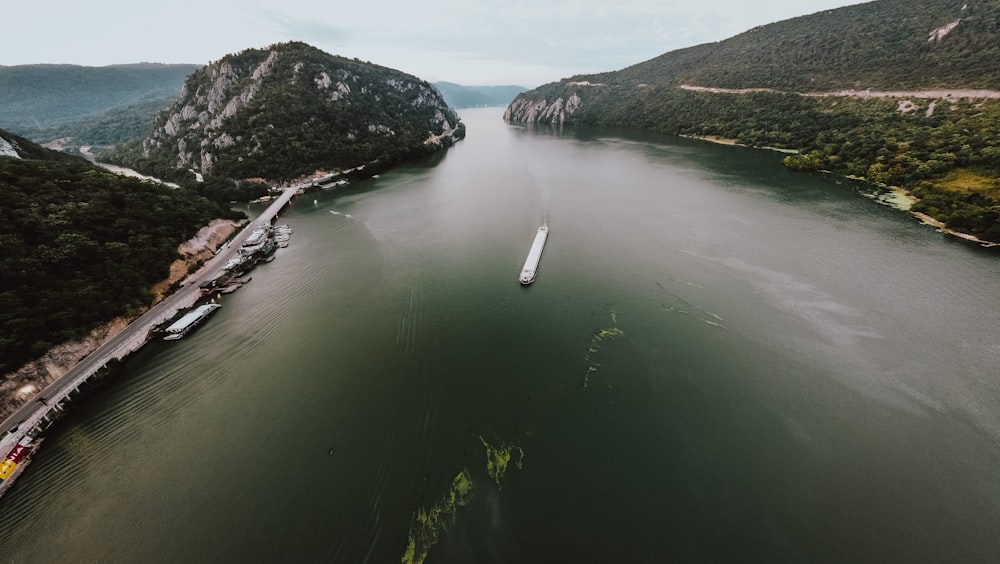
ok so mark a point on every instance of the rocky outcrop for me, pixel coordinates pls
(7, 149)
(20, 386)
(525, 109)
(196, 251)
(237, 115)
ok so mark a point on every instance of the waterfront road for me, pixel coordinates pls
(135, 335)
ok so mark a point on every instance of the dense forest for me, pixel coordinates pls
(883, 45)
(37, 98)
(290, 110)
(108, 128)
(80, 246)
(944, 149)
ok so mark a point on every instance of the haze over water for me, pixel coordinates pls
(720, 360)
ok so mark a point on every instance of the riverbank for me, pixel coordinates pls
(37, 406)
(896, 197)
(904, 200)
(941, 227)
(734, 143)
(22, 384)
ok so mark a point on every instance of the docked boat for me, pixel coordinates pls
(190, 320)
(530, 269)
(16, 460)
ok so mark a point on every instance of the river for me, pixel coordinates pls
(720, 360)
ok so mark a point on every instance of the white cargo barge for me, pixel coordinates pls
(190, 320)
(534, 255)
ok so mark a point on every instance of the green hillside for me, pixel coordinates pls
(883, 45)
(290, 110)
(39, 97)
(80, 246)
(806, 84)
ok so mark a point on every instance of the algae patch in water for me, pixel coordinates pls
(498, 459)
(428, 524)
(611, 334)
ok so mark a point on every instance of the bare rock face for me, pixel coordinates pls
(25, 383)
(526, 110)
(236, 116)
(7, 149)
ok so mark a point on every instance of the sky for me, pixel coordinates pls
(471, 42)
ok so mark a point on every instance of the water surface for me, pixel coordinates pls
(720, 360)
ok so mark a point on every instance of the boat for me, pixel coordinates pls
(530, 269)
(190, 320)
(17, 459)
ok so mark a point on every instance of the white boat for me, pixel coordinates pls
(190, 320)
(530, 269)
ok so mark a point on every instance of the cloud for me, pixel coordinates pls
(308, 30)
(453, 40)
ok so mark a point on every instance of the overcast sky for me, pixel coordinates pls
(473, 42)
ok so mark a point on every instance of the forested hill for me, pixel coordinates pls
(80, 246)
(883, 45)
(900, 92)
(18, 147)
(290, 110)
(888, 45)
(40, 96)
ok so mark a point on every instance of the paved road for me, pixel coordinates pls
(133, 336)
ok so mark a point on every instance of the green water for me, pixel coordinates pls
(720, 360)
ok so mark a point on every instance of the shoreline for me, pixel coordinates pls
(20, 384)
(896, 193)
(34, 417)
(734, 143)
(942, 228)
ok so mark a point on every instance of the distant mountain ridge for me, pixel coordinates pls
(461, 96)
(39, 96)
(290, 110)
(885, 45)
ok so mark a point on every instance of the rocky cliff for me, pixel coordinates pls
(555, 108)
(291, 109)
(7, 149)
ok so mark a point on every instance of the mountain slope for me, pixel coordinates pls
(41, 96)
(897, 92)
(18, 147)
(289, 110)
(883, 45)
(80, 246)
(894, 45)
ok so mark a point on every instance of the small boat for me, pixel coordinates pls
(189, 321)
